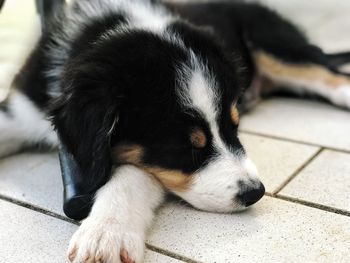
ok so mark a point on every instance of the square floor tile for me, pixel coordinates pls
(276, 160)
(271, 231)
(34, 178)
(28, 236)
(302, 120)
(32, 237)
(324, 181)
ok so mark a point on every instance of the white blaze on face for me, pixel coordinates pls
(200, 93)
(216, 185)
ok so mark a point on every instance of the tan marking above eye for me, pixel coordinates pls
(127, 153)
(198, 138)
(171, 179)
(234, 114)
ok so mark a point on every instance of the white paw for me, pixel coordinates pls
(105, 241)
(341, 96)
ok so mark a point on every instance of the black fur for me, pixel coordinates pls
(31, 80)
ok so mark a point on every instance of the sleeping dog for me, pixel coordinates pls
(147, 97)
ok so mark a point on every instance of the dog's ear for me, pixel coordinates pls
(85, 115)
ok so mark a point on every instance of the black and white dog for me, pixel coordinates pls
(146, 98)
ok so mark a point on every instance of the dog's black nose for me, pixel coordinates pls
(251, 195)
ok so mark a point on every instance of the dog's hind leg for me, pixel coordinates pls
(284, 56)
(22, 124)
(305, 78)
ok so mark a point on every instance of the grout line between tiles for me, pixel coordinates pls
(279, 138)
(66, 219)
(311, 204)
(298, 170)
(170, 254)
(38, 209)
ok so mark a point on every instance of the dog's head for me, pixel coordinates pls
(166, 104)
(181, 124)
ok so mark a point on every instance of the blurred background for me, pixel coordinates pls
(326, 22)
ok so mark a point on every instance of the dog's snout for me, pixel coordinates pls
(251, 195)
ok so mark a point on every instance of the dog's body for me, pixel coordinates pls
(145, 98)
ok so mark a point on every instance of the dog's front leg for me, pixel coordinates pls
(116, 227)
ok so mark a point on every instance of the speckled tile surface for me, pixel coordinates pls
(34, 178)
(276, 160)
(152, 257)
(300, 120)
(272, 231)
(324, 181)
(29, 236)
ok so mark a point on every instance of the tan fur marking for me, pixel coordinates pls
(132, 154)
(234, 114)
(270, 67)
(126, 153)
(198, 138)
(171, 179)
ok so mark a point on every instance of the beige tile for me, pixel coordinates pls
(325, 181)
(276, 160)
(28, 236)
(34, 178)
(301, 120)
(272, 231)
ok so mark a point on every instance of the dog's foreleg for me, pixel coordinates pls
(116, 227)
(23, 124)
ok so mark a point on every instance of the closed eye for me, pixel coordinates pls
(198, 138)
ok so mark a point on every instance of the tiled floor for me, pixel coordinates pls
(302, 149)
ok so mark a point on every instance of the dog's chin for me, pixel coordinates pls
(235, 207)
